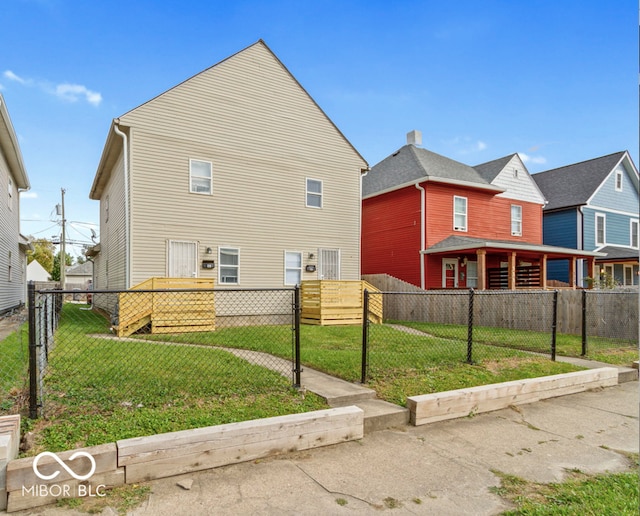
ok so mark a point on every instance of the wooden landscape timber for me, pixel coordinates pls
(429, 408)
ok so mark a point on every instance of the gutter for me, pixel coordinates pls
(423, 201)
(127, 246)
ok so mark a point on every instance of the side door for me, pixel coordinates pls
(182, 260)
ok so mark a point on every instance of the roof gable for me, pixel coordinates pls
(11, 149)
(253, 80)
(574, 185)
(511, 174)
(411, 164)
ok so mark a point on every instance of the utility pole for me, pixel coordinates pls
(63, 252)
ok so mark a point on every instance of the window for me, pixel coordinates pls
(292, 268)
(628, 275)
(633, 234)
(516, 220)
(106, 209)
(600, 229)
(472, 274)
(515, 173)
(314, 193)
(10, 195)
(459, 213)
(200, 175)
(618, 180)
(229, 261)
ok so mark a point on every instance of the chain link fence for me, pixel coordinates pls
(438, 328)
(148, 348)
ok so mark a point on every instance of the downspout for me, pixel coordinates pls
(363, 173)
(580, 245)
(127, 246)
(422, 232)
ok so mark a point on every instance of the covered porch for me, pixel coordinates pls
(464, 262)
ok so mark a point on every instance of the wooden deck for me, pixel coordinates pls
(328, 302)
(167, 311)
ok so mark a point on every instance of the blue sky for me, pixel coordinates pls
(556, 81)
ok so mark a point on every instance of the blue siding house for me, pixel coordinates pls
(593, 206)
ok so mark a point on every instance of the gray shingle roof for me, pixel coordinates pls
(573, 185)
(80, 269)
(619, 253)
(412, 164)
(491, 169)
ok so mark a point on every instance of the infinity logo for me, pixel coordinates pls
(64, 466)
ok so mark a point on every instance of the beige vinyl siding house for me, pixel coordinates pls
(237, 166)
(13, 246)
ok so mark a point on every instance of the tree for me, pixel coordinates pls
(43, 251)
(55, 270)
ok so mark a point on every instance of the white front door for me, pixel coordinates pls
(182, 259)
(329, 264)
(449, 273)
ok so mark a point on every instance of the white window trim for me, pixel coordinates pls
(624, 275)
(191, 176)
(516, 233)
(618, 176)
(307, 193)
(604, 229)
(292, 268)
(220, 249)
(466, 214)
(633, 222)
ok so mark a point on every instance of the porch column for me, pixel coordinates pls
(512, 271)
(482, 269)
(572, 272)
(591, 264)
(543, 272)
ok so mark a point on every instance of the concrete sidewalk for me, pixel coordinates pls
(443, 468)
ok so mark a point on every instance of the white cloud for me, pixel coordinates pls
(481, 146)
(8, 74)
(29, 195)
(65, 91)
(538, 160)
(74, 92)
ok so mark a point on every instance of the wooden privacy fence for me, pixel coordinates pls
(606, 313)
(329, 302)
(151, 303)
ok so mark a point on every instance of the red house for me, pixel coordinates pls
(437, 223)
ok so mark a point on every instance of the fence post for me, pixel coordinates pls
(554, 325)
(33, 357)
(470, 329)
(296, 330)
(584, 323)
(365, 335)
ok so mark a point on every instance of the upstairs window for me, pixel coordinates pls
(10, 195)
(459, 213)
(601, 236)
(634, 234)
(516, 220)
(618, 180)
(200, 176)
(314, 193)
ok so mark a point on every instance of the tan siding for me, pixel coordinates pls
(264, 136)
(110, 272)
(12, 289)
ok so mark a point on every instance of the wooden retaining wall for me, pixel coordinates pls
(164, 455)
(429, 408)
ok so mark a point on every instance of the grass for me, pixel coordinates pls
(100, 390)
(579, 494)
(14, 363)
(612, 351)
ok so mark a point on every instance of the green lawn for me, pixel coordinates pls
(100, 390)
(14, 363)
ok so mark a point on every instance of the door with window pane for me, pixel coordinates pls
(183, 258)
(329, 264)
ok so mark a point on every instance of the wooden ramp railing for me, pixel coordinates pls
(329, 302)
(167, 311)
